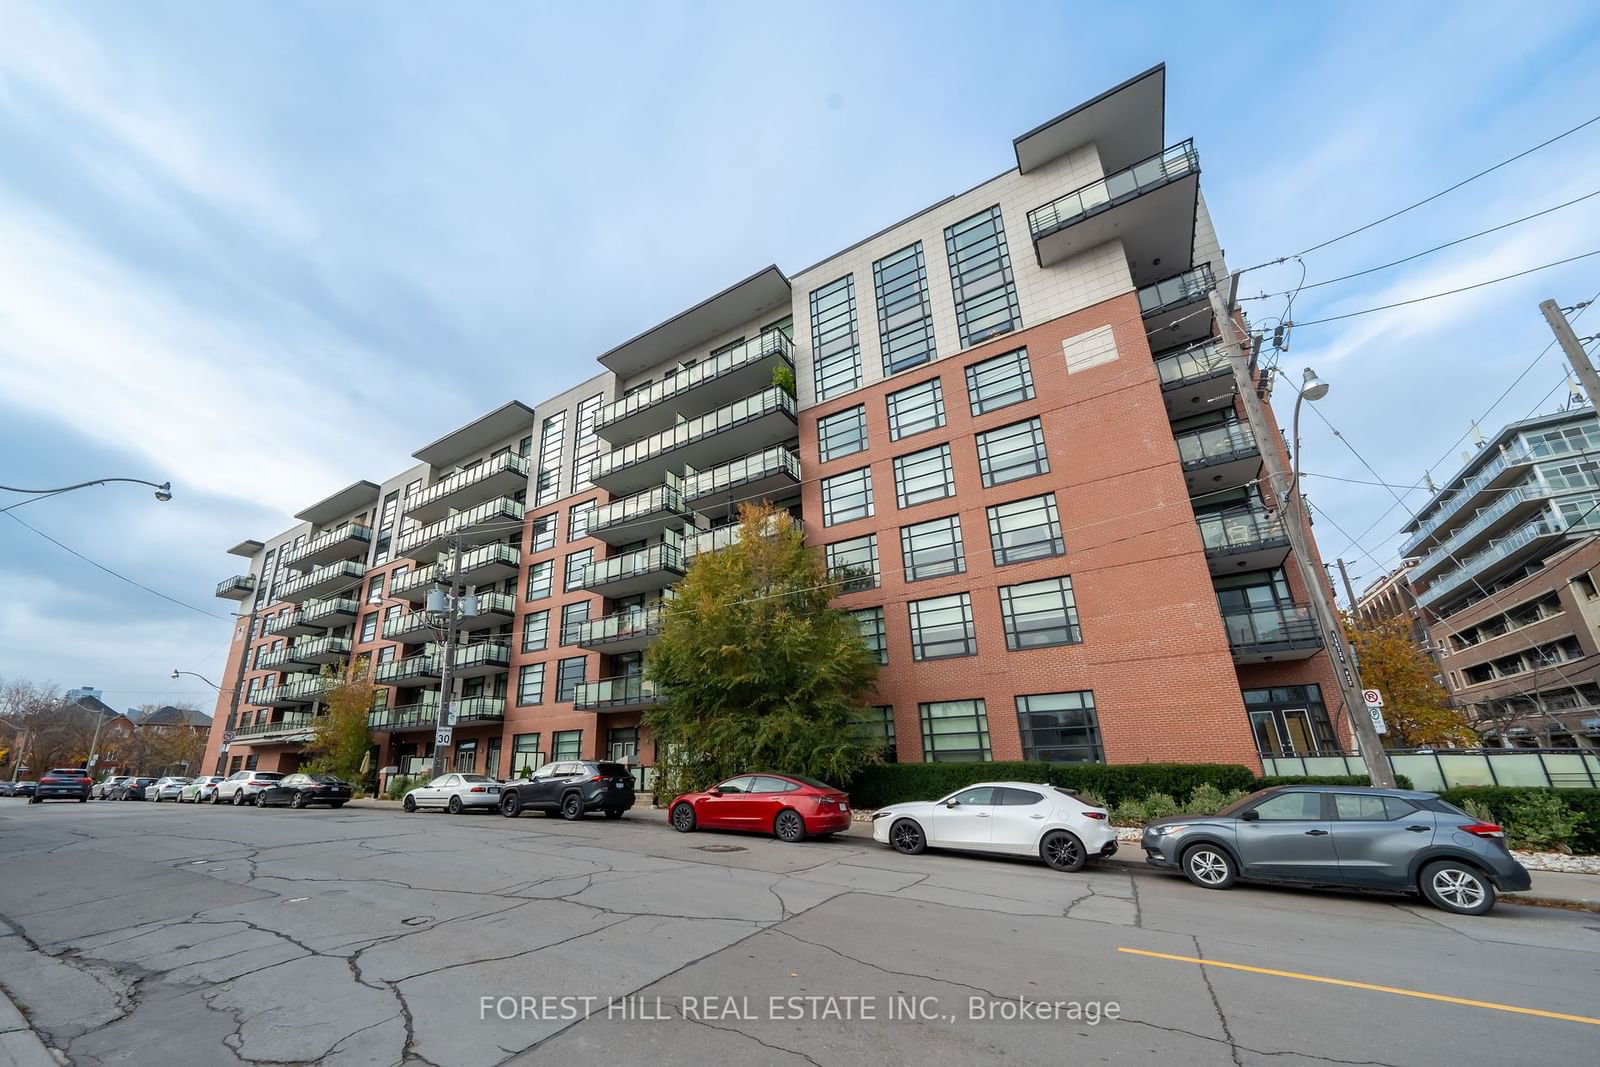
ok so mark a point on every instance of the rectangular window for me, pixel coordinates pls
(1025, 529)
(1060, 727)
(535, 631)
(1012, 453)
(566, 745)
(853, 564)
(530, 684)
(1038, 614)
(941, 627)
(375, 589)
(552, 437)
(525, 448)
(980, 277)
(525, 755)
(835, 342)
(542, 534)
(955, 731)
(369, 626)
(916, 409)
(873, 633)
(579, 518)
(932, 549)
(1000, 382)
(905, 319)
(539, 579)
(573, 616)
(923, 476)
(842, 434)
(577, 567)
(847, 496)
(570, 675)
(876, 728)
(585, 445)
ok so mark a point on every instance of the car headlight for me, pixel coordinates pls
(1163, 831)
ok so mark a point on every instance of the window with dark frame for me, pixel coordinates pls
(1025, 529)
(540, 577)
(1060, 727)
(941, 627)
(536, 631)
(566, 745)
(577, 567)
(955, 731)
(916, 409)
(585, 445)
(1011, 453)
(525, 756)
(980, 277)
(570, 675)
(843, 433)
(579, 518)
(542, 534)
(932, 549)
(999, 382)
(835, 340)
(905, 317)
(853, 564)
(530, 684)
(847, 496)
(552, 436)
(920, 477)
(873, 633)
(573, 616)
(1039, 614)
(876, 728)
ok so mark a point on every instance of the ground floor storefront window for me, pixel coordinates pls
(1290, 721)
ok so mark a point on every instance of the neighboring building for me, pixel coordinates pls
(168, 717)
(1503, 576)
(1039, 459)
(1393, 597)
(75, 695)
(114, 723)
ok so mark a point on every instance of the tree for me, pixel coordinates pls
(756, 671)
(1416, 707)
(339, 738)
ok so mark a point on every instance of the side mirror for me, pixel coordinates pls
(714, 791)
(952, 803)
(1251, 816)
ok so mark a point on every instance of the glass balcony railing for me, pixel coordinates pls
(481, 655)
(766, 402)
(1449, 505)
(329, 612)
(1508, 501)
(1163, 168)
(236, 588)
(492, 604)
(345, 571)
(420, 715)
(421, 576)
(351, 533)
(1240, 528)
(302, 690)
(1215, 444)
(753, 468)
(634, 564)
(773, 342)
(628, 690)
(495, 517)
(321, 649)
(634, 624)
(478, 709)
(489, 557)
(1292, 626)
(1176, 291)
(723, 536)
(273, 659)
(1191, 364)
(663, 498)
(286, 620)
(410, 624)
(413, 670)
(1542, 526)
(289, 724)
(449, 486)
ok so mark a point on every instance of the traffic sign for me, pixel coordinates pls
(1378, 724)
(441, 737)
(1372, 698)
(227, 737)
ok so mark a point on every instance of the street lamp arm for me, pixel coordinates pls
(203, 678)
(163, 487)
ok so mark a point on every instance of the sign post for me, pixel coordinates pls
(1374, 702)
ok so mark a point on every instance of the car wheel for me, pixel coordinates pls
(1209, 867)
(298, 800)
(82, 799)
(907, 837)
(613, 813)
(1062, 851)
(409, 804)
(789, 827)
(1457, 887)
(511, 805)
(572, 806)
(158, 798)
(454, 807)
(683, 819)
(216, 798)
(260, 800)
(238, 798)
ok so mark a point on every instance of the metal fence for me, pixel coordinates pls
(1437, 769)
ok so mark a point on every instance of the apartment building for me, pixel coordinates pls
(1504, 573)
(1009, 425)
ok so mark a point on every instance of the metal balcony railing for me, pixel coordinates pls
(723, 536)
(460, 480)
(236, 588)
(483, 654)
(1264, 628)
(1191, 364)
(404, 716)
(628, 690)
(766, 402)
(1239, 528)
(1544, 525)
(1176, 291)
(1163, 168)
(628, 625)
(347, 531)
(630, 564)
(289, 724)
(773, 342)
(729, 476)
(478, 709)
(413, 670)
(502, 513)
(343, 571)
(1215, 444)
(663, 498)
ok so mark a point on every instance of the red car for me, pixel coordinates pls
(785, 805)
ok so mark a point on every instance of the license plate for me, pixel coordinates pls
(616, 785)
(844, 808)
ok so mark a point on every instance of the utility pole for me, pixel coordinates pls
(450, 605)
(1574, 350)
(1288, 493)
(1349, 593)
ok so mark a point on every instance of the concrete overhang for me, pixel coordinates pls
(347, 501)
(503, 422)
(760, 294)
(1127, 123)
(247, 549)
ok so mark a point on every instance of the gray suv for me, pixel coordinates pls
(1398, 839)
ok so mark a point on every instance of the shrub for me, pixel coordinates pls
(1542, 822)
(1128, 813)
(1478, 810)
(400, 785)
(1400, 780)
(1159, 806)
(1583, 837)
(1093, 799)
(889, 783)
(1207, 799)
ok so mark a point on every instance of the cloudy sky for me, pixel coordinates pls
(263, 249)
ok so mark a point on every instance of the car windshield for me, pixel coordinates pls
(1243, 802)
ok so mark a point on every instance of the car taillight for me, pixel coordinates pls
(1094, 815)
(1484, 829)
(598, 778)
(477, 789)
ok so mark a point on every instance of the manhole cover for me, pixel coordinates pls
(721, 848)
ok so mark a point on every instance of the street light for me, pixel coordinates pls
(1311, 388)
(176, 673)
(163, 489)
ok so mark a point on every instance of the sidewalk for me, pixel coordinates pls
(19, 1045)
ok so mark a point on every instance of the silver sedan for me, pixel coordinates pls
(165, 789)
(456, 793)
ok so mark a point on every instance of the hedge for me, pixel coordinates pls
(1498, 799)
(1400, 780)
(890, 783)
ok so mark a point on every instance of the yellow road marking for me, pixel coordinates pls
(1366, 985)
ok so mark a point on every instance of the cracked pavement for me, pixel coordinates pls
(140, 934)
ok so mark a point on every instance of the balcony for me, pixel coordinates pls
(770, 474)
(304, 690)
(292, 728)
(644, 571)
(616, 694)
(1150, 206)
(274, 659)
(486, 565)
(494, 609)
(414, 627)
(414, 585)
(708, 385)
(1498, 472)
(346, 541)
(321, 650)
(290, 624)
(640, 517)
(1243, 539)
(482, 658)
(239, 587)
(1195, 379)
(413, 670)
(469, 710)
(748, 425)
(489, 521)
(1512, 504)
(332, 578)
(1486, 566)
(1271, 635)
(632, 630)
(501, 476)
(337, 611)
(422, 715)
(1218, 457)
(1176, 310)
(723, 536)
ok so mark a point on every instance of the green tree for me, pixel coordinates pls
(339, 738)
(1416, 707)
(757, 672)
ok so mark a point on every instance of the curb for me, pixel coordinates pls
(19, 1045)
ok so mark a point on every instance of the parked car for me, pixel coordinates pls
(102, 790)
(241, 787)
(199, 790)
(130, 789)
(165, 788)
(571, 787)
(1400, 839)
(7, 788)
(785, 805)
(299, 790)
(63, 783)
(1011, 818)
(24, 789)
(455, 793)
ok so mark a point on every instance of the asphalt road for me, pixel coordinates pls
(136, 933)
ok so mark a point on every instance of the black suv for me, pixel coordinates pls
(571, 787)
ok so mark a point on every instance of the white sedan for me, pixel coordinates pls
(455, 793)
(1014, 818)
(165, 788)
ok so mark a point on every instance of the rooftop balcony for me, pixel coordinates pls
(644, 571)
(239, 587)
(769, 474)
(1218, 457)
(421, 715)
(501, 476)
(706, 386)
(1150, 206)
(469, 711)
(632, 630)
(640, 517)
(622, 693)
(489, 521)
(303, 690)
(1195, 379)
(1271, 635)
(331, 578)
(292, 728)
(723, 536)
(421, 669)
(1243, 539)
(348, 540)
(482, 658)
(494, 609)
(748, 425)
(1176, 310)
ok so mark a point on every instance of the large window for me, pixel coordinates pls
(542, 534)
(941, 627)
(1012, 453)
(999, 382)
(1037, 614)
(923, 476)
(566, 745)
(835, 342)
(579, 518)
(843, 433)
(369, 626)
(535, 631)
(577, 567)
(872, 632)
(573, 616)
(539, 579)
(916, 409)
(932, 549)
(905, 320)
(1290, 720)
(1060, 727)
(585, 445)
(1025, 529)
(980, 276)
(530, 684)
(876, 727)
(955, 731)
(853, 564)
(547, 486)
(847, 496)
(570, 675)
(525, 755)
